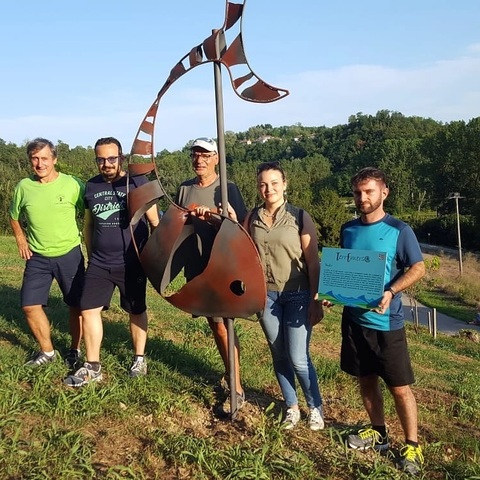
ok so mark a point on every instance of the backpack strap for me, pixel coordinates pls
(250, 218)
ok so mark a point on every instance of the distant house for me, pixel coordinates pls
(264, 139)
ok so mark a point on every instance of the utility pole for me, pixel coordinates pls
(456, 196)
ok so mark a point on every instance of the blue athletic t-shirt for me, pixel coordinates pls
(397, 239)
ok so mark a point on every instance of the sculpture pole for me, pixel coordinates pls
(222, 167)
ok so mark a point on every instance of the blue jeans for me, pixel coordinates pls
(288, 331)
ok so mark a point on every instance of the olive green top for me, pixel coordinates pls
(280, 249)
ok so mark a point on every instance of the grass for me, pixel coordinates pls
(166, 425)
(451, 293)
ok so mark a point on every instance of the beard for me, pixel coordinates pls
(110, 174)
(369, 207)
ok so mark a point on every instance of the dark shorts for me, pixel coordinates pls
(366, 351)
(100, 282)
(68, 270)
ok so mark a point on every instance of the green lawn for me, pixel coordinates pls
(167, 425)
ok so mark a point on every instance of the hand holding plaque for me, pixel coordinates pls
(352, 277)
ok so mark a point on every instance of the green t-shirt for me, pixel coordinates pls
(50, 211)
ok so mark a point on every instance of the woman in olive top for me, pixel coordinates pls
(286, 239)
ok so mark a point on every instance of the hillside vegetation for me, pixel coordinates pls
(426, 161)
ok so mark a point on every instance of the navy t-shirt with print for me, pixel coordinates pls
(112, 241)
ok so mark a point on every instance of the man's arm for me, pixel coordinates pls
(88, 231)
(152, 217)
(22, 244)
(409, 277)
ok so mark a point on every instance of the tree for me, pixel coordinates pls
(330, 213)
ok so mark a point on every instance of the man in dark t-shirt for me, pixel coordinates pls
(113, 260)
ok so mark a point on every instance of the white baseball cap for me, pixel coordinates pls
(208, 144)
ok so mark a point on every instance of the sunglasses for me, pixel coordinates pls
(269, 166)
(110, 160)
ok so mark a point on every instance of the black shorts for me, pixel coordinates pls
(100, 282)
(68, 270)
(384, 353)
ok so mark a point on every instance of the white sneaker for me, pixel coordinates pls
(292, 418)
(315, 419)
(138, 368)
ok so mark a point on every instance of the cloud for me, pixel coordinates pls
(445, 90)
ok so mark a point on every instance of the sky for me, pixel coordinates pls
(75, 71)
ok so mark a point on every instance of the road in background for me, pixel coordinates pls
(445, 324)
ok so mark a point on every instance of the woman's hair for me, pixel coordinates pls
(271, 166)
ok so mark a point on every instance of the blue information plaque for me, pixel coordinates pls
(352, 277)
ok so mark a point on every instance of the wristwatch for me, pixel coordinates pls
(392, 291)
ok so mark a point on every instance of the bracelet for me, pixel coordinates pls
(392, 291)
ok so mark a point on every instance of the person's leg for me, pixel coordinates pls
(132, 283)
(138, 330)
(372, 399)
(96, 295)
(220, 335)
(91, 371)
(406, 408)
(297, 332)
(39, 325)
(70, 275)
(92, 333)
(37, 280)
(272, 324)
(75, 323)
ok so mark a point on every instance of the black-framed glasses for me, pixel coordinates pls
(269, 166)
(110, 160)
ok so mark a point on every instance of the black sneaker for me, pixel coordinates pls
(40, 358)
(72, 359)
(368, 438)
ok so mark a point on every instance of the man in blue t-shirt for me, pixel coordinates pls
(374, 341)
(112, 260)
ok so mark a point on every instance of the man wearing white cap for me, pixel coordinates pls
(202, 194)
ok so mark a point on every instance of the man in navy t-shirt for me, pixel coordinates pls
(112, 260)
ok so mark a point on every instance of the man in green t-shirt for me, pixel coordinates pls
(43, 218)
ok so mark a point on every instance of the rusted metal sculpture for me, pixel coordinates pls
(232, 285)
